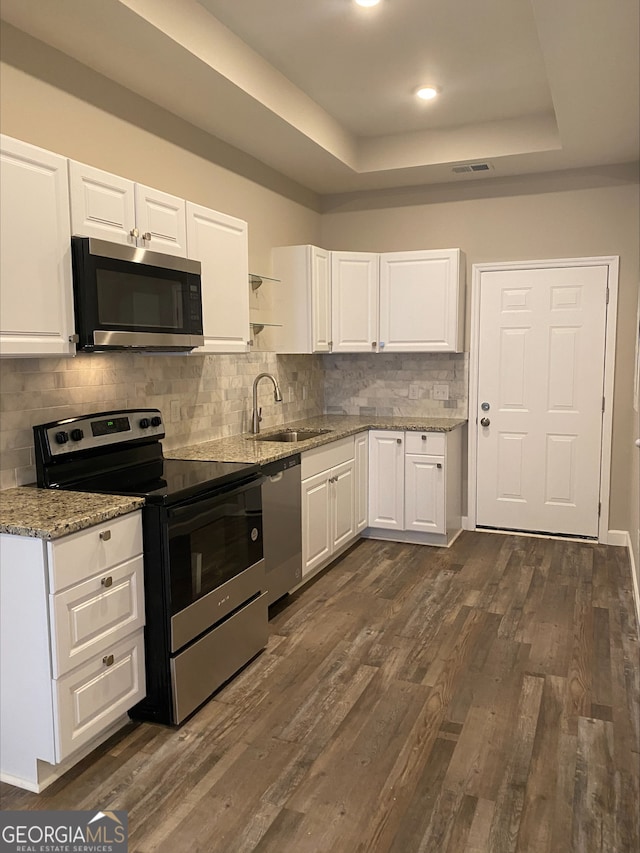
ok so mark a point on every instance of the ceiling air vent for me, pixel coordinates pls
(472, 167)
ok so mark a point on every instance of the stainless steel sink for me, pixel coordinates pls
(292, 435)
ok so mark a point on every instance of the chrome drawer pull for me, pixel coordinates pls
(108, 660)
(105, 535)
(107, 581)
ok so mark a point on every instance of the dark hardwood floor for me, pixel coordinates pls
(481, 699)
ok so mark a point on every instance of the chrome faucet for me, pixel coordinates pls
(256, 417)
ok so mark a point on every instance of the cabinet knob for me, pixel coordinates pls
(398, 441)
(373, 344)
(105, 535)
(134, 233)
(438, 464)
(424, 437)
(108, 660)
(484, 422)
(107, 581)
(146, 236)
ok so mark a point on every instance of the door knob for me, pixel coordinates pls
(484, 422)
(485, 407)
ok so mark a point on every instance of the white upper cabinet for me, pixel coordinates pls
(113, 208)
(161, 221)
(305, 307)
(354, 301)
(220, 243)
(36, 298)
(422, 301)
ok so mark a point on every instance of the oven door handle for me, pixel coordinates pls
(198, 510)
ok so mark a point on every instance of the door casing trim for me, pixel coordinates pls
(612, 262)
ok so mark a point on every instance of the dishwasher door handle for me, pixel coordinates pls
(275, 478)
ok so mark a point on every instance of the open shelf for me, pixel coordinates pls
(256, 280)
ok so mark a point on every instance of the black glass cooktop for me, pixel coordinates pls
(167, 481)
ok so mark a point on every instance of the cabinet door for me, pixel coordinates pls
(386, 479)
(316, 522)
(424, 493)
(362, 481)
(354, 301)
(320, 300)
(161, 221)
(102, 205)
(343, 527)
(421, 301)
(36, 298)
(220, 243)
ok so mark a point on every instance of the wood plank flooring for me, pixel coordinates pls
(481, 699)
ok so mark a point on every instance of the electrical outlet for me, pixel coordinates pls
(414, 392)
(175, 411)
(304, 392)
(440, 392)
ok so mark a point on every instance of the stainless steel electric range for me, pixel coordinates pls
(206, 603)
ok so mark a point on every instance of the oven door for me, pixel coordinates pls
(126, 297)
(215, 558)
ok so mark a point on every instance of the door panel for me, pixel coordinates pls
(354, 301)
(541, 373)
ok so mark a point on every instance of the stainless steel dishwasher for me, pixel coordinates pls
(282, 526)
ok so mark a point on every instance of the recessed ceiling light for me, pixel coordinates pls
(427, 93)
(367, 2)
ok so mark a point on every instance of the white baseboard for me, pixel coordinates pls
(617, 537)
(634, 578)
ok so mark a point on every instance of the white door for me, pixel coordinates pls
(386, 479)
(320, 300)
(221, 244)
(102, 205)
(342, 504)
(354, 301)
(540, 398)
(424, 493)
(316, 521)
(161, 221)
(421, 301)
(36, 296)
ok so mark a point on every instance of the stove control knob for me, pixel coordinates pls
(62, 437)
(77, 434)
(144, 423)
(156, 421)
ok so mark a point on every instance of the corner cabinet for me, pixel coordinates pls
(305, 306)
(113, 208)
(415, 486)
(422, 301)
(36, 296)
(72, 646)
(221, 244)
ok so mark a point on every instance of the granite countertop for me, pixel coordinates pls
(244, 447)
(50, 514)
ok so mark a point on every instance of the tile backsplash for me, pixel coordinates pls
(205, 397)
(397, 384)
(201, 397)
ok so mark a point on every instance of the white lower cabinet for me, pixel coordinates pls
(361, 454)
(415, 486)
(72, 646)
(328, 503)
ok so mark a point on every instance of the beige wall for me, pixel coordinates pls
(523, 224)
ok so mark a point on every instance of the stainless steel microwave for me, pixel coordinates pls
(130, 298)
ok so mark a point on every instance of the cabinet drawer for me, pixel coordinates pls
(95, 613)
(325, 457)
(81, 555)
(94, 695)
(431, 443)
